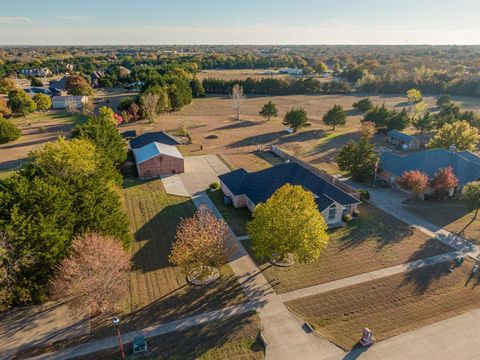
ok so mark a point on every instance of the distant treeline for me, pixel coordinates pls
(273, 86)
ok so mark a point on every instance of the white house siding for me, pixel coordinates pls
(338, 214)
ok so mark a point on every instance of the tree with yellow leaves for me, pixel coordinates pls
(289, 223)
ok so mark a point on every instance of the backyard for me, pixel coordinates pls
(391, 305)
(373, 241)
(452, 215)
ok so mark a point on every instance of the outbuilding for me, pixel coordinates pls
(157, 159)
(60, 102)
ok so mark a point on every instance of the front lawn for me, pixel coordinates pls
(452, 215)
(233, 338)
(391, 305)
(373, 241)
(236, 218)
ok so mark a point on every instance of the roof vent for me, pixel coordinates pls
(452, 148)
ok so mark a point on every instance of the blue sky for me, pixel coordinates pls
(240, 22)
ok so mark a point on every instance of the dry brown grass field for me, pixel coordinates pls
(374, 241)
(240, 74)
(391, 305)
(317, 144)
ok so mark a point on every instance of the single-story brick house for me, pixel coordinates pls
(465, 164)
(157, 159)
(249, 189)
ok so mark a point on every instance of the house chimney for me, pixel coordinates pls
(452, 148)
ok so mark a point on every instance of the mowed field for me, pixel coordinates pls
(317, 144)
(233, 338)
(239, 74)
(374, 241)
(159, 291)
(391, 305)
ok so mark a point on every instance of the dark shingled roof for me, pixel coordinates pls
(148, 138)
(395, 134)
(129, 134)
(259, 186)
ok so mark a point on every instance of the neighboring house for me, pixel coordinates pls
(60, 102)
(159, 136)
(43, 72)
(465, 165)
(249, 189)
(96, 76)
(402, 140)
(37, 90)
(291, 71)
(157, 159)
(58, 85)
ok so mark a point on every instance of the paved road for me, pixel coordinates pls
(390, 201)
(457, 338)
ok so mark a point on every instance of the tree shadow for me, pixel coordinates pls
(239, 125)
(261, 139)
(422, 278)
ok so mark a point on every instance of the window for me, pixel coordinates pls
(332, 212)
(346, 210)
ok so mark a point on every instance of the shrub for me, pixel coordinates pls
(8, 131)
(356, 213)
(346, 218)
(214, 186)
(364, 195)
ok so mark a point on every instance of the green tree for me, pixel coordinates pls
(335, 116)
(4, 109)
(423, 123)
(359, 158)
(460, 133)
(163, 102)
(8, 131)
(379, 115)
(268, 110)
(296, 118)
(321, 68)
(77, 85)
(471, 196)
(197, 88)
(414, 95)
(43, 102)
(443, 100)
(363, 105)
(106, 113)
(36, 82)
(288, 223)
(179, 92)
(105, 136)
(7, 85)
(399, 120)
(21, 103)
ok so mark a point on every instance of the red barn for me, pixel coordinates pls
(157, 159)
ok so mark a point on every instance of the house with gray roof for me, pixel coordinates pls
(465, 164)
(157, 136)
(251, 188)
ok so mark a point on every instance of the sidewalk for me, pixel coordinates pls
(155, 330)
(376, 274)
(390, 201)
(283, 332)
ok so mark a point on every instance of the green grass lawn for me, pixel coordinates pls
(373, 241)
(233, 338)
(452, 215)
(236, 218)
(391, 305)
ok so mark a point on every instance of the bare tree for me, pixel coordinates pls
(95, 274)
(87, 108)
(71, 105)
(237, 96)
(149, 105)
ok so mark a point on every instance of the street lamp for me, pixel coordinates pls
(116, 323)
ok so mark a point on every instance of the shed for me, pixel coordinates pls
(60, 102)
(157, 159)
(129, 134)
(402, 140)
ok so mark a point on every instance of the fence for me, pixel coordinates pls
(320, 173)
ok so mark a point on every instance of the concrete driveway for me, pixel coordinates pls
(201, 171)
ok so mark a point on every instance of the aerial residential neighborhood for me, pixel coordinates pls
(210, 180)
